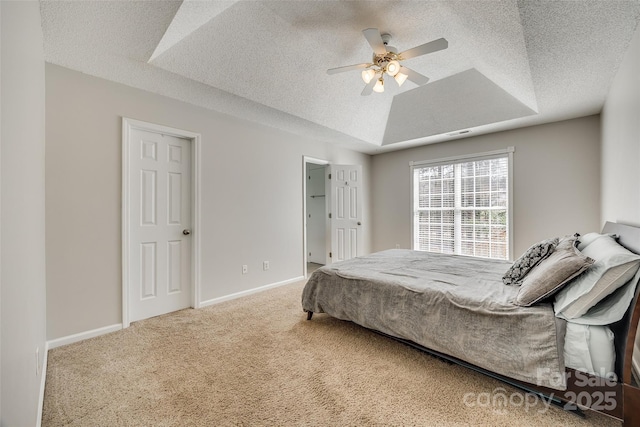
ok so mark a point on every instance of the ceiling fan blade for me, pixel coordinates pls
(414, 76)
(369, 87)
(347, 68)
(375, 40)
(423, 49)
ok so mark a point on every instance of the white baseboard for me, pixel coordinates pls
(249, 292)
(43, 379)
(70, 339)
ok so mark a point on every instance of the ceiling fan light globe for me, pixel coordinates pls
(400, 78)
(367, 75)
(393, 67)
(379, 87)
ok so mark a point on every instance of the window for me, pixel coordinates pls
(461, 206)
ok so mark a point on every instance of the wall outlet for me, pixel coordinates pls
(245, 269)
(37, 361)
(397, 245)
(265, 265)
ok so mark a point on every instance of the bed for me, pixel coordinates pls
(459, 308)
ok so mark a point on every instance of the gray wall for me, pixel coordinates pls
(621, 150)
(556, 181)
(22, 241)
(251, 197)
(621, 142)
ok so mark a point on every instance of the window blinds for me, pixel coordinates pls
(462, 208)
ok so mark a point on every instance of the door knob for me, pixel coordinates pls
(359, 223)
(186, 231)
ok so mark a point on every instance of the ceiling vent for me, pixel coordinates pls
(459, 132)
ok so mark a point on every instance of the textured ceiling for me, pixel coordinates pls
(508, 64)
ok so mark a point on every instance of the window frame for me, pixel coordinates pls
(506, 152)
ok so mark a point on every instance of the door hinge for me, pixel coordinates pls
(329, 176)
(329, 215)
(330, 255)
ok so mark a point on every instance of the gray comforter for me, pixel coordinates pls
(452, 304)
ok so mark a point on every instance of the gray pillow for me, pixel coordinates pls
(565, 263)
(529, 259)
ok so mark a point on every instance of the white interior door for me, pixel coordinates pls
(345, 185)
(160, 223)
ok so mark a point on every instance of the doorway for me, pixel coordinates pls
(332, 213)
(316, 241)
(160, 220)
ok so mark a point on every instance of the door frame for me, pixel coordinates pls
(315, 161)
(128, 125)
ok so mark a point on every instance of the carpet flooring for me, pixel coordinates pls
(258, 361)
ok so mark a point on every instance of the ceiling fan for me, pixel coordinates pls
(386, 60)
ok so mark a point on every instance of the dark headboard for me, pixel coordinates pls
(629, 235)
(625, 329)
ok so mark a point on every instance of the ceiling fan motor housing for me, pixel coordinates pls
(382, 60)
(386, 61)
(391, 54)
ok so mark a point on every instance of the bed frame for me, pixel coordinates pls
(617, 399)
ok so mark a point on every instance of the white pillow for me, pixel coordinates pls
(590, 237)
(611, 309)
(614, 267)
(590, 349)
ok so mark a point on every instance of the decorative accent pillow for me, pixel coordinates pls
(614, 267)
(548, 277)
(529, 259)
